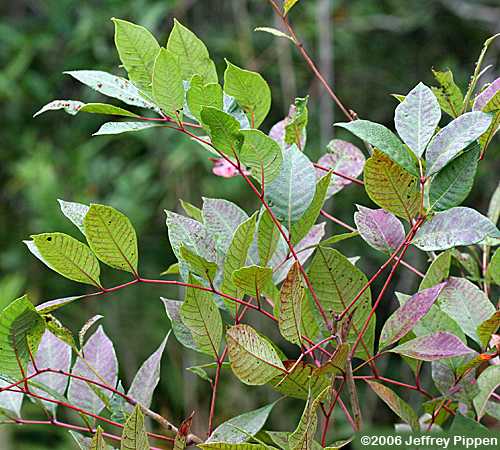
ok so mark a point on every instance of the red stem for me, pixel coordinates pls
(338, 174)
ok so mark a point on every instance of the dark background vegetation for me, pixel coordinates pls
(367, 48)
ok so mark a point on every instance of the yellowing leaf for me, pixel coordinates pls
(291, 298)
(137, 49)
(134, 435)
(111, 237)
(168, 90)
(68, 257)
(391, 187)
(200, 314)
(253, 359)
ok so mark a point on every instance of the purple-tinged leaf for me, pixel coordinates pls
(433, 347)
(454, 227)
(486, 95)
(417, 117)
(147, 378)
(52, 353)
(465, 303)
(379, 228)
(454, 137)
(99, 354)
(10, 402)
(406, 316)
(221, 218)
(342, 157)
(281, 262)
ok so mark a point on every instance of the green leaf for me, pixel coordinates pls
(493, 106)
(337, 363)
(290, 305)
(192, 211)
(224, 130)
(487, 328)
(253, 279)
(336, 282)
(137, 49)
(111, 237)
(466, 261)
(200, 314)
(68, 257)
(417, 117)
(236, 257)
(226, 446)
(303, 436)
(242, 427)
(448, 94)
(453, 183)
(98, 442)
(494, 206)
(391, 187)
(396, 403)
(493, 272)
(200, 95)
(297, 122)
(288, 5)
(463, 425)
(261, 154)
(384, 140)
(267, 237)
(339, 238)
(198, 264)
(488, 382)
(253, 359)
(250, 91)
(292, 192)
(300, 228)
(123, 127)
(134, 433)
(438, 271)
(192, 54)
(181, 332)
(464, 302)
(104, 108)
(112, 86)
(21, 328)
(168, 90)
(296, 384)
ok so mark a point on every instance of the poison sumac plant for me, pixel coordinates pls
(276, 261)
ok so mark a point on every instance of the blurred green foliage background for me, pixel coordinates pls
(368, 49)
